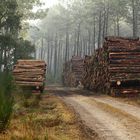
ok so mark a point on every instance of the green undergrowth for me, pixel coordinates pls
(6, 100)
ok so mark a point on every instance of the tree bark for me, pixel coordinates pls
(67, 45)
(135, 18)
(100, 28)
(78, 38)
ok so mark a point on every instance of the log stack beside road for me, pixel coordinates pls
(95, 71)
(30, 73)
(114, 68)
(123, 65)
(73, 71)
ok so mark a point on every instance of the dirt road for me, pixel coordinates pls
(111, 119)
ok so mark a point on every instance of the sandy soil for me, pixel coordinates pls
(111, 119)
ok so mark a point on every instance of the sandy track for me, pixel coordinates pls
(130, 109)
(111, 119)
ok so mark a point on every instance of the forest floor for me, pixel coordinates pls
(111, 118)
(46, 118)
(73, 114)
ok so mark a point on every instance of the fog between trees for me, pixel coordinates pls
(78, 27)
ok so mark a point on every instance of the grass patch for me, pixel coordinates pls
(51, 119)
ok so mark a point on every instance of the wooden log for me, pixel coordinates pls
(29, 74)
(126, 65)
(30, 67)
(124, 56)
(30, 79)
(31, 62)
(28, 70)
(124, 69)
(22, 83)
(120, 39)
(124, 61)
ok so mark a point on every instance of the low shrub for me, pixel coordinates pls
(6, 100)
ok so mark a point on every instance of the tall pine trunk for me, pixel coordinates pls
(100, 29)
(78, 38)
(67, 45)
(135, 18)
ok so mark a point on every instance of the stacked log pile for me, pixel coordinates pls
(87, 74)
(95, 71)
(114, 68)
(123, 65)
(68, 76)
(30, 73)
(73, 71)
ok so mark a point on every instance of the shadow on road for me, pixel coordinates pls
(66, 91)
